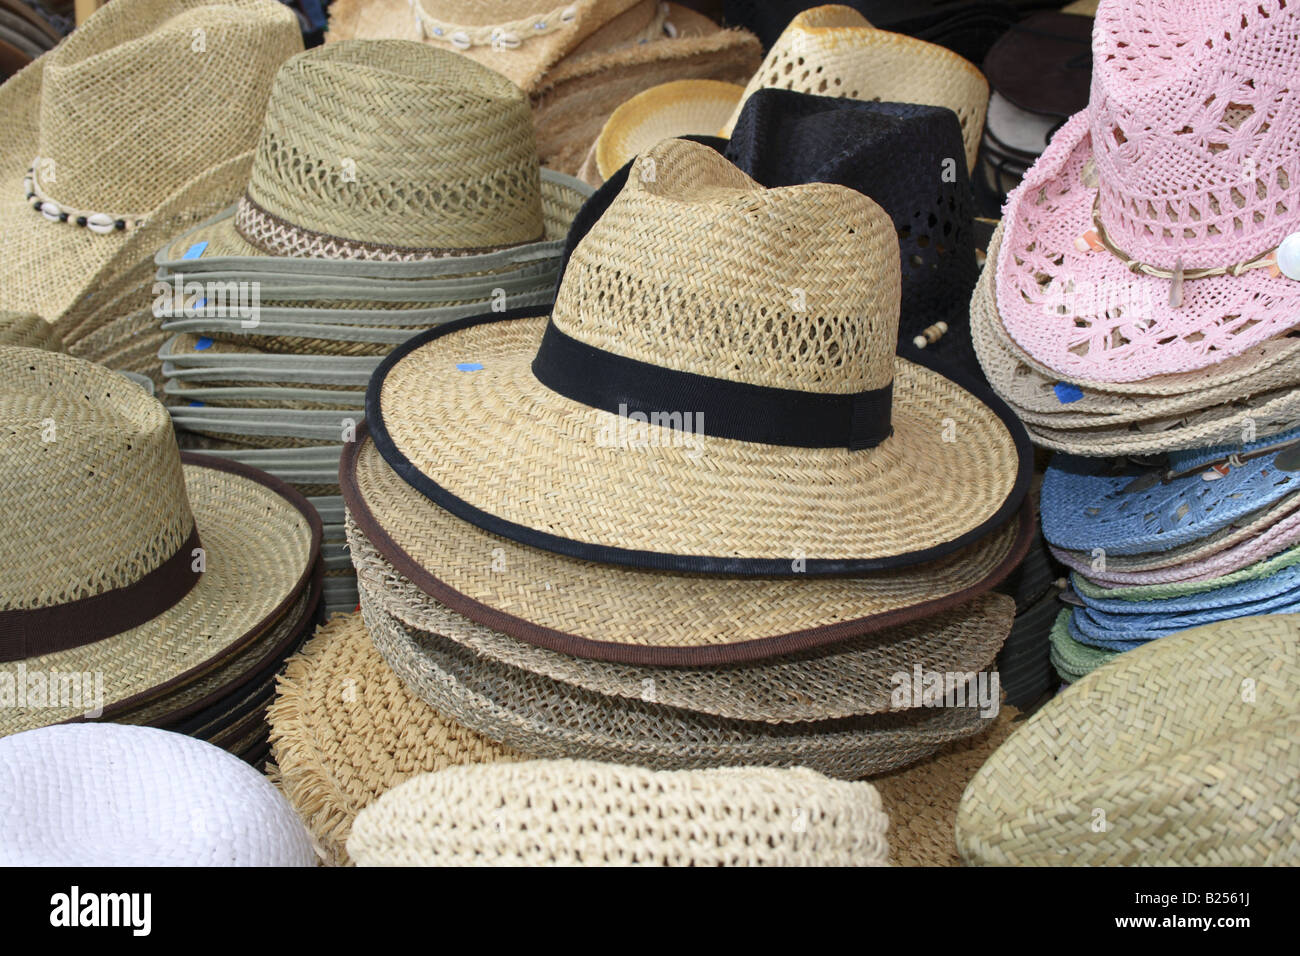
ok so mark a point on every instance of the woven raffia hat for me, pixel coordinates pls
(134, 796)
(1148, 238)
(358, 160)
(807, 441)
(29, 331)
(81, 170)
(1187, 751)
(583, 813)
(120, 557)
(834, 51)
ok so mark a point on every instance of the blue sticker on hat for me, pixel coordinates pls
(469, 366)
(198, 404)
(203, 343)
(1067, 393)
(196, 250)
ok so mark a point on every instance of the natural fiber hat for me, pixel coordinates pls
(592, 475)
(1134, 598)
(667, 111)
(1123, 632)
(80, 166)
(344, 730)
(846, 679)
(388, 178)
(28, 330)
(1189, 747)
(834, 51)
(1183, 284)
(1091, 503)
(1072, 659)
(583, 813)
(1264, 581)
(604, 612)
(134, 796)
(201, 356)
(179, 561)
(546, 718)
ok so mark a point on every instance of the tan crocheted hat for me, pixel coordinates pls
(744, 415)
(82, 173)
(1184, 752)
(833, 51)
(583, 813)
(120, 557)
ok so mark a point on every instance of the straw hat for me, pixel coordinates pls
(181, 561)
(29, 331)
(1185, 753)
(1203, 276)
(84, 124)
(1135, 597)
(1072, 659)
(577, 62)
(842, 497)
(105, 795)
(666, 111)
(604, 612)
(577, 812)
(833, 51)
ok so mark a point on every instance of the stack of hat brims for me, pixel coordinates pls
(25, 33)
(1111, 332)
(280, 308)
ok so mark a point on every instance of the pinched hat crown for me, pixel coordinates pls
(391, 143)
(149, 94)
(697, 268)
(1195, 123)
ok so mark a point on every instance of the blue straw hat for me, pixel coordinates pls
(1126, 631)
(1242, 592)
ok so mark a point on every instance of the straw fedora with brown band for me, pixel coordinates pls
(81, 170)
(118, 555)
(809, 447)
(585, 59)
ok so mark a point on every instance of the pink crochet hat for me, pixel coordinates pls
(1145, 239)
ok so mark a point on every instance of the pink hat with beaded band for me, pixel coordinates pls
(1160, 231)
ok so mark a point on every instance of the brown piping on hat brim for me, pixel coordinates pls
(614, 652)
(313, 520)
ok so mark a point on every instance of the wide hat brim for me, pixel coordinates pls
(610, 613)
(260, 540)
(666, 111)
(500, 450)
(1048, 212)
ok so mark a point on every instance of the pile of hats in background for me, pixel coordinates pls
(27, 30)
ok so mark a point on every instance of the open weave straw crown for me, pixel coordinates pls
(94, 495)
(395, 143)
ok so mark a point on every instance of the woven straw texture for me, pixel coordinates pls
(344, 730)
(840, 680)
(1090, 592)
(94, 111)
(614, 613)
(28, 330)
(1073, 659)
(766, 501)
(1188, 747)
(582, 813)
(135, 796)
(544, 718)
(669, 110)
(833, 51)
(1188, 151)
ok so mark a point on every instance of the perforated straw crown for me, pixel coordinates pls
(390, 143)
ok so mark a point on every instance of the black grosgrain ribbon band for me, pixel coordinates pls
(31, 632)
(718, 407)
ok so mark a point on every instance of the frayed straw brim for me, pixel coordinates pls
(545, 718)
(344, 730)
(679, 108)
(498, 449)
(1189, 770)
(611, 613)
(260, 540)
(848, 679)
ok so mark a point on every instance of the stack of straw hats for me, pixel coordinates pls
(1183, 753)
(139, 584)
(576, 61)
(756, 584)
(26, 32)
(88, 194)
(1162, 331)
(368, 216)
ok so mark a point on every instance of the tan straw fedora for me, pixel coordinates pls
(577, 61)
(82, 172)
(746, 415)
(120, 558)
(28, 330)
(833, 51)
(1184, 752)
